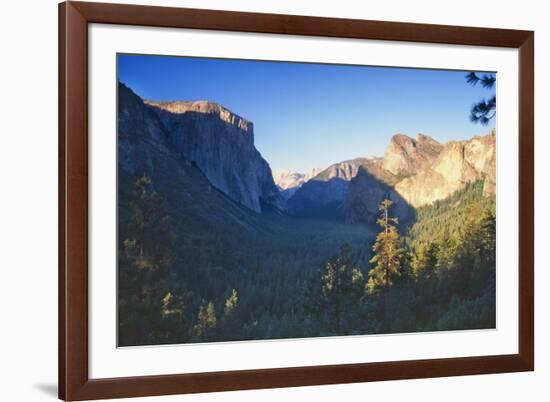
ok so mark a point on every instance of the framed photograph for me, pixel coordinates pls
(259, 200)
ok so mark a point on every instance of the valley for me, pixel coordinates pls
(213, 248)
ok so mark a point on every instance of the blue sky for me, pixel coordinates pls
(313, 115)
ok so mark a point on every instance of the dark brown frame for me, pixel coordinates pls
(74, 383)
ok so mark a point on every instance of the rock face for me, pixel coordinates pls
(144, 149)
(325, 194)
(220, 143)
(180, 107)
(289, 182)
(406, 156)
(365, 193)
(481, 153)
(459, 162)
(413, 172)
(140, 135)
(158, 138)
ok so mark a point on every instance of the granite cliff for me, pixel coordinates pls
(217, 141)
(414, 172)
(458, 163)
(406, 156)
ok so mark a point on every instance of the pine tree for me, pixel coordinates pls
(206, 322)
(386, 250)
(484, 110)
(231, 304)
(387, 260)
(230, 325)
(424, 259)
(335, 299)
(145, 297)
(425, 268)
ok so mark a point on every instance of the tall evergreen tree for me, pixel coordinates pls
(386, 250)
(386, 260)
(231, 304)
(146, 304)
(231, 320)
(335, 299)
(204, 329)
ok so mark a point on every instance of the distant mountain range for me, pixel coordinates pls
(289, 182)
(220, 144)
(413, 173)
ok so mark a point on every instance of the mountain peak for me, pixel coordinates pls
(458, 163)
(289, 181)
(401, 139)
(406, 155)
(425, 138)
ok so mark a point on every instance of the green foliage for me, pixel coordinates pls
(445, 219)
(205, 327)
(387, 254)
(231, 304)
(470, 314)
(170, 306)
(452, 256)
(484, 110)
(334, 299)
(186, 275)
(149, 305)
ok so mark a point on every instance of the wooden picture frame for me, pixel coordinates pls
(74, 381)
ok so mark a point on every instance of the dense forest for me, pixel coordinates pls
(184, 279)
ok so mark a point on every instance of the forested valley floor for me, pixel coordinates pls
(205, 270)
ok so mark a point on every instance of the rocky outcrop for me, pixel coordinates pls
(220, 143)
(406, 156)
(458, 163)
